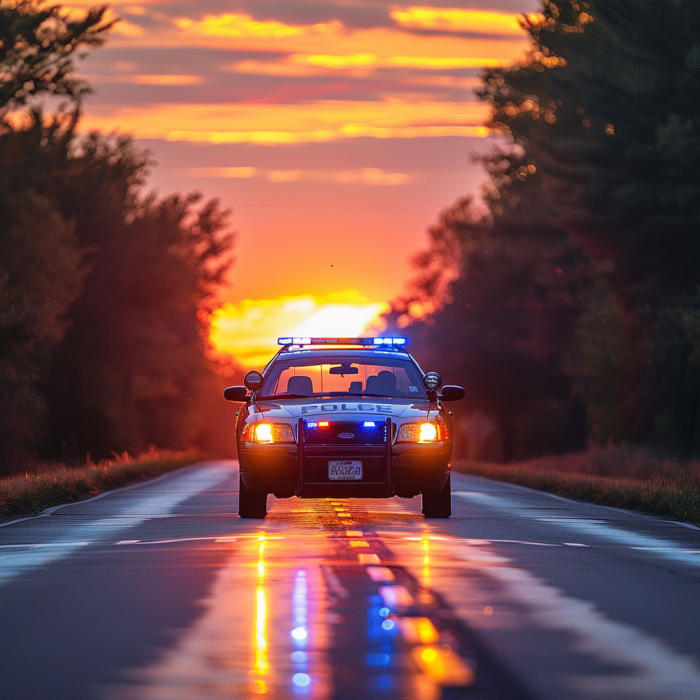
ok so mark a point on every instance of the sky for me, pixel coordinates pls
(336, 131)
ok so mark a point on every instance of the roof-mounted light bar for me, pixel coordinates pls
(393, 342)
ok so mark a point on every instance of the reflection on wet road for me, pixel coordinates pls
(170, 596)
(312, 605)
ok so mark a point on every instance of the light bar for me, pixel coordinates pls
(393, 342)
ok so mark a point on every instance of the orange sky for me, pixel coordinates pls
(335, 130)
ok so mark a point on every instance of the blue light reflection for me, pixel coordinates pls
(378, 659)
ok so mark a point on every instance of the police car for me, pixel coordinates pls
(344, 418)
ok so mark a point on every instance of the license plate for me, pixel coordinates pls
(344, 471)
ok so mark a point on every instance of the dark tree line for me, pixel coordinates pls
(104, 290)
(569, 304)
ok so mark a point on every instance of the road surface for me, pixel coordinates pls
(160, 592)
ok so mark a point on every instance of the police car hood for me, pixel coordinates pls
(345, 408)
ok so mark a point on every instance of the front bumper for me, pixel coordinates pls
(408, 471)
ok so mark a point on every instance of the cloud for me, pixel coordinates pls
(239, 25)
(242, 32)
(281, 69)
(372, 61)
(441, 63)
(444, 19)
(362, 176)
(351, 14)
(238, 173)
(369, 176)
(302, 66)
(358, 60)
(128, 5)
(321, 120)
(152, 79)
(285, 175)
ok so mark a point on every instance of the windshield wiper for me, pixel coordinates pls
(277, 397)
(334, 395)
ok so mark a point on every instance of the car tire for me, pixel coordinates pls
(438, 504)
(251, 504)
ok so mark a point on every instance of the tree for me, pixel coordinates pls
(491, 306)
(38, 45)
(594, 225)
(606, 107)
(40, 262)
(104, 291)
(129, 371)
(39, 278)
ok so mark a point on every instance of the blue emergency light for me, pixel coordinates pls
(393, 342)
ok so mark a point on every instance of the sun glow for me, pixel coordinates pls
(248, 330)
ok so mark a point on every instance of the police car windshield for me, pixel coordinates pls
(384, 377)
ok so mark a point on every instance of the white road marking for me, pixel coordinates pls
(635, 665)
(666, 549)
(50, 511)
(41, 545)
(15, 563)
(655, 669)
(141, 507)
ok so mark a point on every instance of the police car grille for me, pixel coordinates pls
(345, 433)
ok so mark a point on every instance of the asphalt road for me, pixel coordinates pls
(160, 592)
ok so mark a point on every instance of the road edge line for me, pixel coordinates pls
(162, 477)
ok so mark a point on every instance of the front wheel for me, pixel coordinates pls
(438, 504)
(251, 504)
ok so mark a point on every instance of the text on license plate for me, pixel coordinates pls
(344, 470)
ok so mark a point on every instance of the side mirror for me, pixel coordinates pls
(452, 393)
(253, 380)
(432, 381)
(236, 393)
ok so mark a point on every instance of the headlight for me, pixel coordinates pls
(433, 431)
(266, 433)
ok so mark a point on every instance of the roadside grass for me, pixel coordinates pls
(623, 477)
(58, 484)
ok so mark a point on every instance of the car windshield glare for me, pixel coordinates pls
(344, 376)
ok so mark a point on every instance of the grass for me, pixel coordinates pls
(57, 484)
(622, 477)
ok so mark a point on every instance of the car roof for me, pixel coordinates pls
(305, 353)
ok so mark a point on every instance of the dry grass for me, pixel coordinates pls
(31, 492)
(616, 476)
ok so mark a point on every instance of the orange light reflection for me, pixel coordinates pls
(425, 578)
(260, 660)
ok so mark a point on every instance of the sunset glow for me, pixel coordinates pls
(335, 131)
(249, 329)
